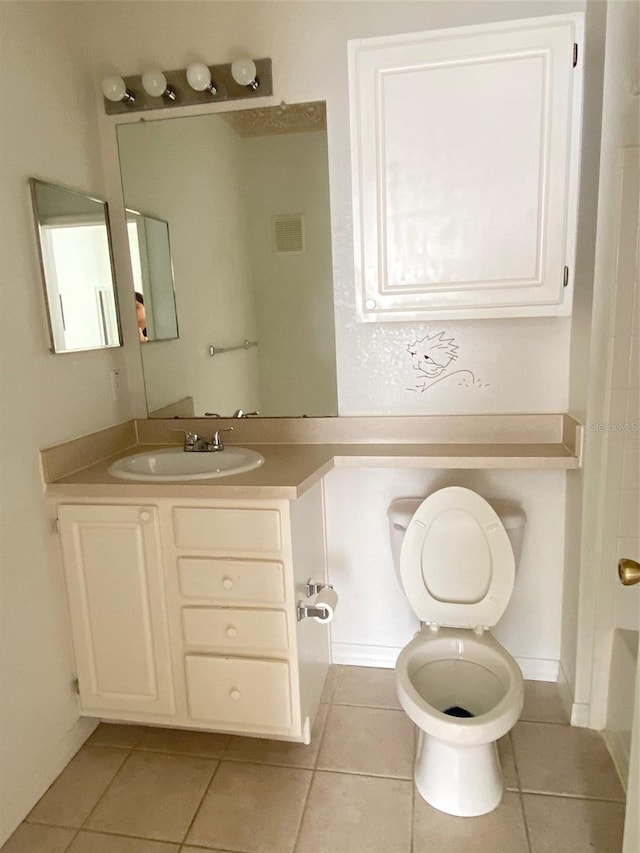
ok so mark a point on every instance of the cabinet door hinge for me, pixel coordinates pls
(575, 54)
(56, 525)
(76, 686)
(565, 280)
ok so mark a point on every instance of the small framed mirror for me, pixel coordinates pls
(152, 270)
(77, 268)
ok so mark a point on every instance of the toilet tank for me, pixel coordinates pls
(402, 510)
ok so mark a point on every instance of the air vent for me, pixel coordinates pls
(288, 233)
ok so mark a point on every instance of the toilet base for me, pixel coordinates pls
(459, 780)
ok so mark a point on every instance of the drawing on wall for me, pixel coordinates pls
(433, 358)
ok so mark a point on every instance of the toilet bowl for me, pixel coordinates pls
(454, 554)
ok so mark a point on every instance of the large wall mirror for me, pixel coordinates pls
(77, 268)
(245, 196)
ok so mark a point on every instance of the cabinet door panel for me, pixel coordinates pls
(234, 692)
(116, 600)
(465, 145)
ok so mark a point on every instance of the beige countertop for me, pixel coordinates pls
(291, 469)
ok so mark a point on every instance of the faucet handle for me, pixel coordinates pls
(216, 441)
(190, 438)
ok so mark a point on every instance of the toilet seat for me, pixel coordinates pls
(456, 564)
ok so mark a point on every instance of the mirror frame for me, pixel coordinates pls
(33, 183)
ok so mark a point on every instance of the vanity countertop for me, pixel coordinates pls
(291, 469)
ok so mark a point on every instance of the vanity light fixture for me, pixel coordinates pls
(244, 72)
(198, 84)
(155, 84)
(199, 78)
(114, 89)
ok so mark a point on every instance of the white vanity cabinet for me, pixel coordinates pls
(218, 637)
(465, 149)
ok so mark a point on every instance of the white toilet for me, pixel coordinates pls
(454, 554)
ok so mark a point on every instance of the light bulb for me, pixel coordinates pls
(114, 89)
(155, 84)
(199, 78)
(243, 72)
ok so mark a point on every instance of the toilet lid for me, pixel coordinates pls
(456, 563)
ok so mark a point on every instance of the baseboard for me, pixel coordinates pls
(359, 654)
(13, 812)
(566, 692)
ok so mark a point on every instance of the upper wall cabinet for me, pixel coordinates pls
(465, 151)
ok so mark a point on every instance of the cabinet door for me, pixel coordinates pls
(113, 570)
(465, 150)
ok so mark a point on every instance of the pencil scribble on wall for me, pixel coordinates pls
(433, 358)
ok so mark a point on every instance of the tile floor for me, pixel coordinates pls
(133, 789)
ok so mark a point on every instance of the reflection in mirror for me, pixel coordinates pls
(152, 275)
(246, 196)
(77, 268)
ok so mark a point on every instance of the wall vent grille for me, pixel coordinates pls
(288, 233)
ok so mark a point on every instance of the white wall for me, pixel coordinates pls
(190, 172)
(49, 130)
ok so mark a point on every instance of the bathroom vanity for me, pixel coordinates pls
(183, 596)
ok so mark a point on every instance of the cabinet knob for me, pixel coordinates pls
(227, 583)
(235, 695)
(232, 632)
(145, 516)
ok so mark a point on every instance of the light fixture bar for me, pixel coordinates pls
(226, 90)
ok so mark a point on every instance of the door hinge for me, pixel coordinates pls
(76, 686)
(56, 525)
(575, 54)
(565, 280)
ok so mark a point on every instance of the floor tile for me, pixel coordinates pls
(92, 842)
(252, 808)
(70, 799)
(542, 703)
(114, 734)
(582, 824)
(280, 752)
(183, 742)
(509, 775)
(500, 831)
(556, 759)
(30, 837)
(330, 683)
(374, 741)
(349, 814)
(154, 796)
(369, 686)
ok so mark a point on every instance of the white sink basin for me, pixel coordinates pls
(165, 465)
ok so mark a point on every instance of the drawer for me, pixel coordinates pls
(228, 530)
(262, 632)
(237, 692)
(231, 581)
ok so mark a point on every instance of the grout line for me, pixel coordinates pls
(71, 840)
(303, 812)
(99, 800)
(202, 799)
(587, 797)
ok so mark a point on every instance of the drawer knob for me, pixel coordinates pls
(235, 695)
(232, 632)
(227, 583)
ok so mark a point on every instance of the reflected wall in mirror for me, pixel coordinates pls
(77, 268)
(246, 196)
(150, 251)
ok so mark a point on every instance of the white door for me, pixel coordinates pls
(114, 578)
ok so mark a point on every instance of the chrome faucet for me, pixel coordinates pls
(194, 443)
(240, 413)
